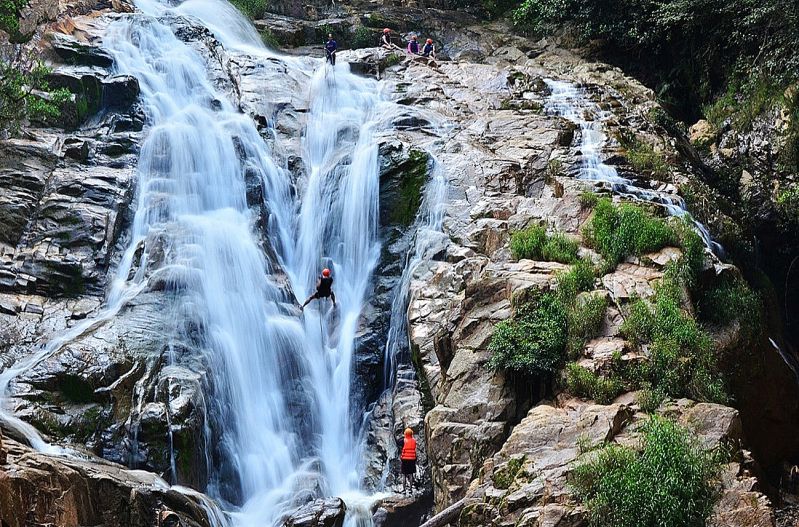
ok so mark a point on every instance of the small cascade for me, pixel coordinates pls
(570, 102)
(429, 237)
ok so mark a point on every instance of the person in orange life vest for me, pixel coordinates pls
(408, 460)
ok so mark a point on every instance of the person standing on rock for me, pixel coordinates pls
(324, 288)
(330, 48)
(408, 461)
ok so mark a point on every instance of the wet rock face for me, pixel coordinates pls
(37, 489)
(328, 512)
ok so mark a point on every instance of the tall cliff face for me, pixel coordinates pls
(507, 163)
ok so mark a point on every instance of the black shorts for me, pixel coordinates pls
(326, 294)
(408, 467)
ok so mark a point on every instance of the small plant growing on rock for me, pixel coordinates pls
(618, 231)
(532, 342)
(533, 243)
(588, 199)
(585, 320)
(681, 356)
(504, 477)
(582, 382)
(668, 483)
(644, 158)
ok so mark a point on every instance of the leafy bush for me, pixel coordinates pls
(731, 300)
(254, 9)
(620, 231)
(788, 205)
(9, 18)
(577, 279)
(650, 399)
(585, 320)
(667, 484)
(588, 199)
(533, 243)
(681, 356)
(643, 158)
(363, 37)
(532, 342)
(25, 93)
(582, 382)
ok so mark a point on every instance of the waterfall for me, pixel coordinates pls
(282, 427)
(568, 101)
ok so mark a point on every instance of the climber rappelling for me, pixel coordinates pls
(324, 289)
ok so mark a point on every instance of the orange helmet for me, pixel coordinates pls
(326, 272)
(387, 30)
(408, 432)
(429, 40)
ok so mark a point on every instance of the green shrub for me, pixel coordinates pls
(363, 37)
(788, 205)
(643, 158)
(650, 399)
(585, 319)
(18, 102)
(588, 199)
(9, 18)
(579, 278)
(504, 477)
(582, 382)
(254, 9)
(731, 300)
(269, 39)
(532, 342)
(533, 243)
(618, 231)
(667, 484)
(681, 361)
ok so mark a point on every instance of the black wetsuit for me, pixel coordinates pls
(325, 288)
(331, 48)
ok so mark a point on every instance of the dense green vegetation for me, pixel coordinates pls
(681, 361)
(532, 342)
(9, 18)
(688, 50)
(583, 382)
(618, 231)
(534, 243)
(668, 483)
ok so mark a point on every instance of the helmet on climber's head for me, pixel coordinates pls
(326, 273)
(429, 40)
(386, 30)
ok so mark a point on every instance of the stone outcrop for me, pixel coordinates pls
(327, 512)
(38, 489)
(526, 482)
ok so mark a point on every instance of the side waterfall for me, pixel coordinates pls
(568, 101)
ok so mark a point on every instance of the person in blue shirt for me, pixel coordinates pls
(330, 49)
(429, 49)
(413, 46)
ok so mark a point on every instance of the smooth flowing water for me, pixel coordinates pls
(282, 427)
(570, 102)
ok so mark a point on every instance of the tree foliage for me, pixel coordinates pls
(25, 92)
(687, 49)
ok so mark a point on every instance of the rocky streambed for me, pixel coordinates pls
(120, 395)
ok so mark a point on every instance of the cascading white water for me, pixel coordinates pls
(281, 382)
(568, 101)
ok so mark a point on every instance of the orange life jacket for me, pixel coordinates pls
(409, 449)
